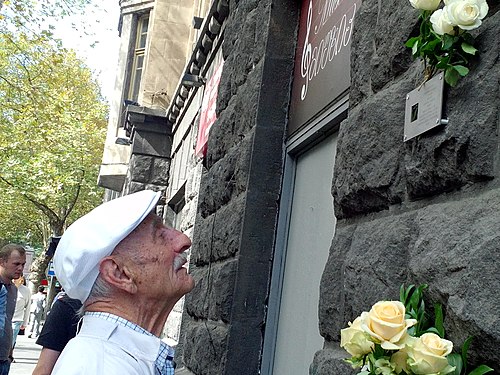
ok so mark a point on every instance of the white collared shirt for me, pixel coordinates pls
(106, 347)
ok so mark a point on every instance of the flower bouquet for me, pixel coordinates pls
(444, 42)
(397, 337)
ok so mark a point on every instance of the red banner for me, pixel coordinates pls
(207, 113)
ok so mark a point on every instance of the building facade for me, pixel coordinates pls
(280, 146)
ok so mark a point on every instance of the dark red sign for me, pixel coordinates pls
(322, 61)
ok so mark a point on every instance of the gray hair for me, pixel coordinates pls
(100, 290)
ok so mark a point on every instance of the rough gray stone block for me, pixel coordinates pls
(140, 167)
(330, 361)
(212, 296)
(225, 179)
(365, 265)
(217, 236)
(378, 52)
(205, 347)
(457, 254)
(368, 175)
(160, 171)
(134, 187)
(243, 48)
(236, 121)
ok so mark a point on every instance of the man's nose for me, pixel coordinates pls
(182, 242)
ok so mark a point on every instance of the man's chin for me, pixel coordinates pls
(189, 283)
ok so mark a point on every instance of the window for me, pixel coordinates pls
(139, 52)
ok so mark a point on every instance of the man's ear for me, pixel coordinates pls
(118, 274)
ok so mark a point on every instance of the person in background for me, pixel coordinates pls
(60, 327)
(22, 311)
(37, 309)
(127, 269)
(12, 260)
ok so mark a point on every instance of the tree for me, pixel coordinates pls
(52, 131)
(38, 15)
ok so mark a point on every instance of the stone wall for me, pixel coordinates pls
(424, 211)
(239, 192)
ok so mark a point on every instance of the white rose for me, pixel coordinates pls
(427, 355)
(440, 23)
(386, 323)
(425, 4)
(354, 340)
(466, 14)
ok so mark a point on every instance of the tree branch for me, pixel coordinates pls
(51, 215)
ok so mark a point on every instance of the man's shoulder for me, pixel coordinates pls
(86, 355)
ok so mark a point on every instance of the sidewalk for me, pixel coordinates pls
(26, 355)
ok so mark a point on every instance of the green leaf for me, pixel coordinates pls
(431, 46)
(483, 369)
(416, 297)
(378, 352)
(408, 291)
(451, 76)
(465, 349)
(462, 70)
(455, 360)
(443, 64)
(467, 48)
(438, 319)
(468, 38)
(448, 41)
(409, 43)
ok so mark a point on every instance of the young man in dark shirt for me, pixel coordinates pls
(60, 327)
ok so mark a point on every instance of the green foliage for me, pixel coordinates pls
(449, 53)
(37, 17)
(462, 359)
(439, 319)
(413, 299)
(52, 130)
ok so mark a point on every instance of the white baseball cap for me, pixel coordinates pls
(95, 236)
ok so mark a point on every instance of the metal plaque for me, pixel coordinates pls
(424, 107)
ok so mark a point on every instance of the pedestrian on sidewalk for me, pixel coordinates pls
(60, 327)
(126, 268)
(12, 260)
(37, 309)
(22, 311)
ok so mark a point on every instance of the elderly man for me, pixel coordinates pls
(126, 268)
(12, 260)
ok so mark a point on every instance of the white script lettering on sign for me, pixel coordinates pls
(318, 54)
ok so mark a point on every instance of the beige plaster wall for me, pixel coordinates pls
(168, 49)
